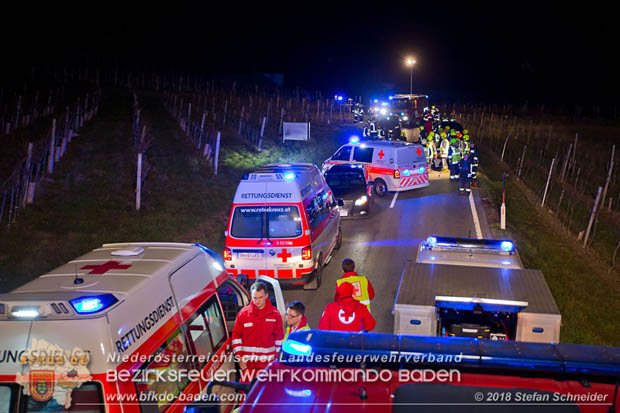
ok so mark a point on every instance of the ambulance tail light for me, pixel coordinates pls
(93, 304)
(306, 253)
(227, 254)
(396, 174)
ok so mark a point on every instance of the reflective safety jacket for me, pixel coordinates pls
(257, 334)
(454, 154)
(431, 150)
(444, 147)
(362, 288)
(303, 325)
(473, 155)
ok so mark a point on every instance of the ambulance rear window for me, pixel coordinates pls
(266, 222)
(409, 156)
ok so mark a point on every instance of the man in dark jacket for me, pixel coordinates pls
(346, 313)
(465, 168)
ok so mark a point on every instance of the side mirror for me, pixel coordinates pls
(340, 202)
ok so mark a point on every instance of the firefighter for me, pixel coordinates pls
(363, 290)
(358, 113)
(466, 145)
(444, 149)
(423, 133)
(346, 313)
(465, 173)
(454, 156)
(431, 150)
(473, 154)
(258, 332)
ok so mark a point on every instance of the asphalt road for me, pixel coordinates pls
(381, 243)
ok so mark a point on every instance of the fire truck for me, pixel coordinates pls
(409, 107)
(372, 372)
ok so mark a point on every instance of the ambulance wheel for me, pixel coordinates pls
(339, 239)
(318, 274)
(380, 187)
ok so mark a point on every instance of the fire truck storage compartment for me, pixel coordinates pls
(513, 304)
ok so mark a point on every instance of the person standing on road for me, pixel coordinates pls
(444, 147)
(465, 173)
(455, 157)
(258, 332)
(346, 313)
(362, 288)
(295, 318)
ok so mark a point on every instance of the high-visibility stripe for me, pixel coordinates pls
(248, 349)
(236, 341)
(278, 342)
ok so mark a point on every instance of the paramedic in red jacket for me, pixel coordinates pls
(346, 313)
(258, 331)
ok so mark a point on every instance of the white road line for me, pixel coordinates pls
(474, 213)
(394, 199)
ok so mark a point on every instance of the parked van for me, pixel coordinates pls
(148, 310)
(392, 166)
(284, 223)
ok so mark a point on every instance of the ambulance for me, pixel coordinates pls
(284, 223)
(392, 166)
(119, 329)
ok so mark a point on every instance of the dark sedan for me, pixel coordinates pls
(349, 183)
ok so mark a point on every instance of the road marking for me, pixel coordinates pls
(394, 199)
(474, 213)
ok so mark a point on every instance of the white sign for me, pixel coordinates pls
(296, 131)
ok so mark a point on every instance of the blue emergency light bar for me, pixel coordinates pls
(479, 353)
(93, 304)
(488, 244)
(354, 140)
(289, 176)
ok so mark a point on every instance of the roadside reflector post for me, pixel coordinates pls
(217, 152)
(542, 204)
(139, 181)
(52, 153)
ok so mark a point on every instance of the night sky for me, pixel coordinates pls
(506, 52)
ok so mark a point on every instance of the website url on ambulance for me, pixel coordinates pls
(167, 397)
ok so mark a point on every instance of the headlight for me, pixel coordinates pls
(361, 201)
(383, 111)
(405, 117)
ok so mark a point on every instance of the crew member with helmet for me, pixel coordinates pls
(454, 155)
(444, 150)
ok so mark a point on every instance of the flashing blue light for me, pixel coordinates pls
(507, 246)
(432, 241)
(289, 176)
(296, 348)
(402, 113)
(391, 98)
(298, 393)
(406, 172)
(340, 98)
(324, 196)
(384, 103)
(422, 170)
(90, 305)
(376, 100)
(354, 140)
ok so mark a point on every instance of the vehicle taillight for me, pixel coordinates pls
(306, 253)
(396, 174)
(227, 254)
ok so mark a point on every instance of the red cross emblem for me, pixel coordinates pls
(284, 255)
(103, 268)
(344, 319)
(419, 151)
(381, 154)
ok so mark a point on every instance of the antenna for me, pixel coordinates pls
(77, 280)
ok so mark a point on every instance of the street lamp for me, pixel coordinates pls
(410, 63)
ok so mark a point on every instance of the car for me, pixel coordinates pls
(349, 182)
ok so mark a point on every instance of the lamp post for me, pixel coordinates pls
(410, 63)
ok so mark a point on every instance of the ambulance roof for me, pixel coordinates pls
(408, 96)
(387, 144)
(280, 182)
(113, 268)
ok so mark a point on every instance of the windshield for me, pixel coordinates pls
(344, 180)
(266, 222)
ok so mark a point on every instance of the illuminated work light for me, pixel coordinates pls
(25, 312)
(90, 305)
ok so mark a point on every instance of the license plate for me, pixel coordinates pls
(344, 212)
(251, 255)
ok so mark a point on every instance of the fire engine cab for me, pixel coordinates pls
(392, 166)
(284, 224)
(105, 331)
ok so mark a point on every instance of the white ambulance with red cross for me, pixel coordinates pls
(136, 327)
(392, 166)
(284, 223)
